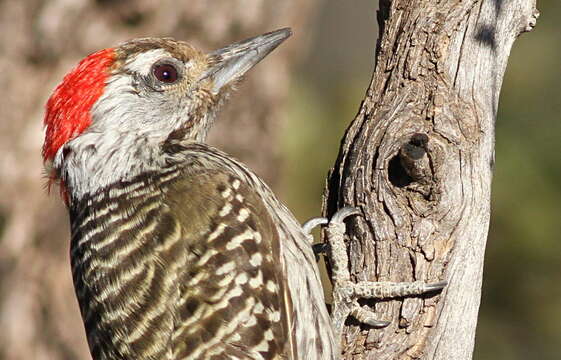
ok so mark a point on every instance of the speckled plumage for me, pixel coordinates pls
(193, 247)
(179, 251)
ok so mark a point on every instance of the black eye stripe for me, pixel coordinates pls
(166, 73)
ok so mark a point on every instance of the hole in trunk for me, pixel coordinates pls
(397, 174)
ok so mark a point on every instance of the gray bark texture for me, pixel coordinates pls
(41, 40)
(418, 160)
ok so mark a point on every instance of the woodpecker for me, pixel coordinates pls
(179, 251)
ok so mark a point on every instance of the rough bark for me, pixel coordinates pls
(417, 160)
(39, 42)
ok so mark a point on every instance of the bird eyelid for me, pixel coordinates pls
(167, 71)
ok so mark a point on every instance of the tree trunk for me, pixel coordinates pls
(418, 160)
(42, 40)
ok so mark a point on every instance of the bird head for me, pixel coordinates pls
(137, 94)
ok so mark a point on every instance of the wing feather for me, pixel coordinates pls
(232, 298)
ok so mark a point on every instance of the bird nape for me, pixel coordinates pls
(179, 251)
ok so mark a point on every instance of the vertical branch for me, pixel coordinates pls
(417, 160)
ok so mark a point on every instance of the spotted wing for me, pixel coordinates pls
(232, 295)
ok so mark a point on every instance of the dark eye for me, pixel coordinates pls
(166, 73)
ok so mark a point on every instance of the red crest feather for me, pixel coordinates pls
(68, 109)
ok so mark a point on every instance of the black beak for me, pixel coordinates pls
(232, 61)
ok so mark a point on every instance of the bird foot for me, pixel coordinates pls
(346, 292)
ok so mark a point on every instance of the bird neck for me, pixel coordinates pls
(107, 153)
(95, 160)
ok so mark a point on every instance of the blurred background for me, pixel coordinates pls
(286, 122)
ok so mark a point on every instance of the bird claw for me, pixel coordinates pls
(344, 213)
(368, 317)
(346, 292)
(437, 286)
(309, 225)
